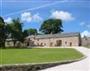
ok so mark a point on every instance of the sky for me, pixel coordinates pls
(75, 14)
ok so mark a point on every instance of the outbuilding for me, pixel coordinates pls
(60, 39)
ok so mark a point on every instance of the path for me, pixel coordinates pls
(83, 65)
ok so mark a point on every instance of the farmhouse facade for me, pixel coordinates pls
(63, 39)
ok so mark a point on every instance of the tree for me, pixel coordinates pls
(2, 32)
(32, 31)
(51, 26)
(15, 29)
(25, 33)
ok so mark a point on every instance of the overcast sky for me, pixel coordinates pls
(74, 14)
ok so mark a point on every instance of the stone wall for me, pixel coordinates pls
(65, 41)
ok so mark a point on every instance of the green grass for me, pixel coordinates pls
(37, 55)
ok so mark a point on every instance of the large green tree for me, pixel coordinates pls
(25, 33)
(2, 32)
(32, 31)
(51, 26)
(15, 29)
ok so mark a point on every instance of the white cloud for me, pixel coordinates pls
(82, 23)
(28, 17)
(85, 24)
(8, 20)
(36, 17)
(65, 16)
(85, 33)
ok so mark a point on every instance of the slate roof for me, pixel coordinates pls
(59, 35)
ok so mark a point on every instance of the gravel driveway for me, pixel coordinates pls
(83, 65)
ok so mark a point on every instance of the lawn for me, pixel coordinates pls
(37, 55)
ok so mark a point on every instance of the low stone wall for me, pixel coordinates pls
(33, 67)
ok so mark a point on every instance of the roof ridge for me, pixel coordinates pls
(55, 35)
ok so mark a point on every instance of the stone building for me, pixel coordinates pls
(63, 39)
(86, 41)
(9, 42)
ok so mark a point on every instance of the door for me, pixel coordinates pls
(59, 42)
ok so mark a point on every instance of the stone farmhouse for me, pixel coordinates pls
(63, 39)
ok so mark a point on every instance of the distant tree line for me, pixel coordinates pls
(15, 30)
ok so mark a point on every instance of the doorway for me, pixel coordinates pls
(70, 43)
(59, 42)
(51, 44)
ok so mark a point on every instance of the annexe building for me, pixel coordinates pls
(62, 39)
(86, 41)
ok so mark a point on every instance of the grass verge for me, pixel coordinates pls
(37, 55)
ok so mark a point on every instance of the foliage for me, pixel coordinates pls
(15, 29)
(51, 26)
(32, 31)
(2, 32)
(25, 33)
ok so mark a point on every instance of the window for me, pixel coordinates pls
(8, 43)
(29, 39)
(34, 37)
(28, 44)
(41, 44)
(37, 39)
(51, 44)
(65, 42)
(38, 44)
